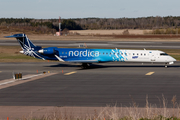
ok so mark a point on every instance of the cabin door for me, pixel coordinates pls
(153, 57)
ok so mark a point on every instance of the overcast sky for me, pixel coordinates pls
(47, 9)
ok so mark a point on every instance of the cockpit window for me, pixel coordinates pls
(163, 54)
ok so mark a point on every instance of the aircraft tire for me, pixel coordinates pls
(84, 65)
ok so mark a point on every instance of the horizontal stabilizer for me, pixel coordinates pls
(15, 36)
(23, 41)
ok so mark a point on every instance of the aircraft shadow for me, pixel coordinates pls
(64, 65)
(99, 66)
(129, 66)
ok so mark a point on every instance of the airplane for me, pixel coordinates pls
(87, 56)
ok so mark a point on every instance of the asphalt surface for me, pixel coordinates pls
(100, 44)
(123, 84)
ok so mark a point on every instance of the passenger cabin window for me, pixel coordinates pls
(163, 54)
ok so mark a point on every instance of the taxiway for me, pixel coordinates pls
(100, 44)
(103, 84)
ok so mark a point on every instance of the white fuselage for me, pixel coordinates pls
(147, 56)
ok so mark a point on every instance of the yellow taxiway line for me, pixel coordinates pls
(70, 73)
(149, 73)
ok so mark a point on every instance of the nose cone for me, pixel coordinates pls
(173, 59)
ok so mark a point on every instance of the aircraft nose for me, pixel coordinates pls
(173, 59)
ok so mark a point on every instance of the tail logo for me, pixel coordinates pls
(26, 45)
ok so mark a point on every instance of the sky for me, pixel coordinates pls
(50, 9)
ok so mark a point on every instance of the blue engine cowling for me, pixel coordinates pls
(48, 51)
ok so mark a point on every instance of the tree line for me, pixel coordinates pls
(97, 23)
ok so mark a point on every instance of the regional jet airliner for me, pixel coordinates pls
(87, 56)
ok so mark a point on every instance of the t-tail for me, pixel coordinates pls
(27, 46)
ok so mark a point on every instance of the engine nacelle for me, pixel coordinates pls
(47, 51)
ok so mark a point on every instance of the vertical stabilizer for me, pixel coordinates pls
(28, 47)
(23, 40)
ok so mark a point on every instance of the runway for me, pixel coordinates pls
(102, 84)
(100, 44)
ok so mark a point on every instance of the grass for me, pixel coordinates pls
(124, 118)
(17, 58)
(149, 112)
(177, 57)
(110, 32)
(11, 54)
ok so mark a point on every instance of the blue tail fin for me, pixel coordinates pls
(30, 49)
(24, 42)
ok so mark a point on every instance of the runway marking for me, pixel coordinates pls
(31, 76)
(7, 82)
(26, 78)
(70, 73)
(20, 79)
(149, 73)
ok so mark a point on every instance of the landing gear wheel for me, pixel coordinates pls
(84, 65)
(165, 65)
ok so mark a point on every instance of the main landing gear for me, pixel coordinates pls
(84, 65)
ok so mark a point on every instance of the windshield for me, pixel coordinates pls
(163, 54)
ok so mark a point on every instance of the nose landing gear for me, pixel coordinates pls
(169, 64)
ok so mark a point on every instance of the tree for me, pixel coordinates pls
(70, 24)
